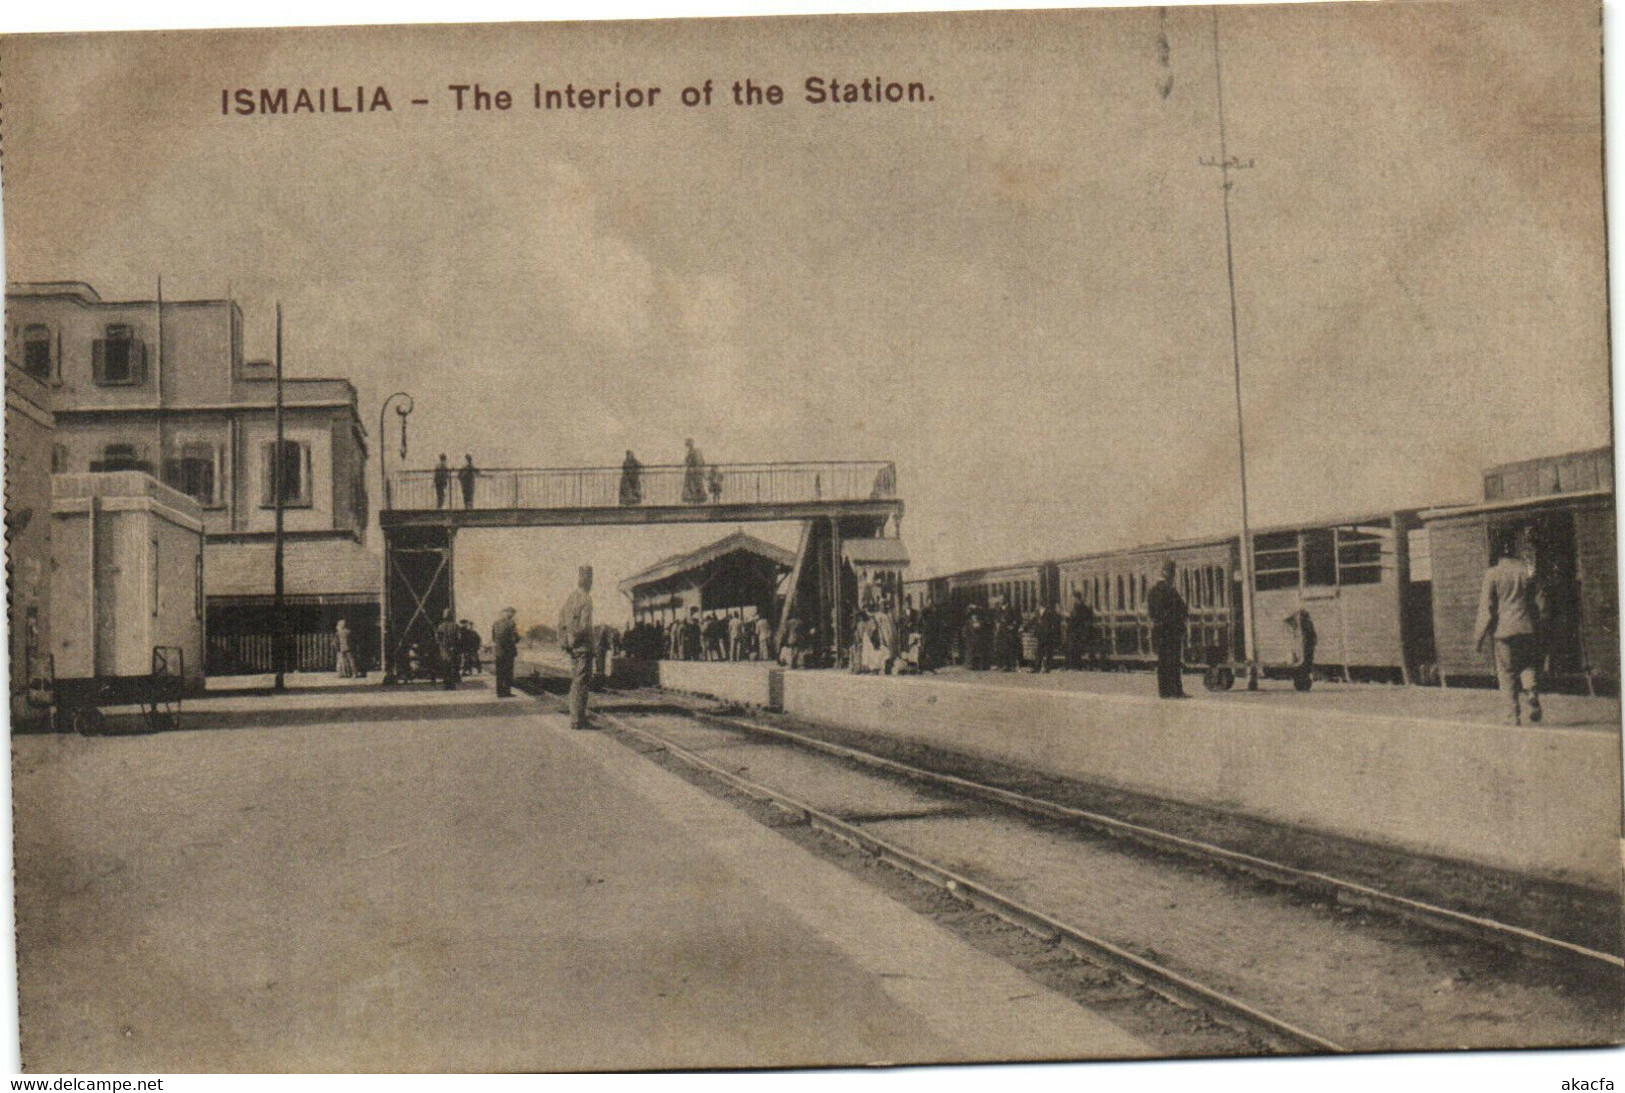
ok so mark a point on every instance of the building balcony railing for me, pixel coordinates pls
(121, 484)
(651, 486)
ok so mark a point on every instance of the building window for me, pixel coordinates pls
(59, 458)
(194, 473)
(121, 457)
(37, 352)
(120, 358)
(295, 464)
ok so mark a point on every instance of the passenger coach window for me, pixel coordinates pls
(1359, 555)
(1320, 557)
(1275, 561)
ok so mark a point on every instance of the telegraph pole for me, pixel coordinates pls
(279, 624)
(1227, 163)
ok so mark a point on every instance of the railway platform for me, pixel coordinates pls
(1421, 770)
(364, 878)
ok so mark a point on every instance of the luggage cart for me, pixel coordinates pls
(78, 702)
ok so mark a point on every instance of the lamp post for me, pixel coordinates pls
(279, 631)
(383, 478)
(385, 501)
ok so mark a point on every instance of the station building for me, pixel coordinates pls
(739, 572)
(163, 387)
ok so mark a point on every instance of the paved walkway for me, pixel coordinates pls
(1380, 700)
(360, 878)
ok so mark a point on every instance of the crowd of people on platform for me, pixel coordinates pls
(713, 635)
(996, 636)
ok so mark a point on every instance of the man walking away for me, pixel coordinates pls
(1510, 610)
(1168, 616)
(465, 478)
(576, 635)
(442, 481)
(505, 647)
(448, 636)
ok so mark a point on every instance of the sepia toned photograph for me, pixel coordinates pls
(813, 541)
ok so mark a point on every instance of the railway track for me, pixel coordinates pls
(1275, 1031)
(1518, 939)
(1387, 951)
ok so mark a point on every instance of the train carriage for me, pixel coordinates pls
(1114, 585)
(1389, 596)
(1352, 579)
(1574, 543)
(925, 592)
(1028, 585)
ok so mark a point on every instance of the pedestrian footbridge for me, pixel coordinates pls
(835, 502)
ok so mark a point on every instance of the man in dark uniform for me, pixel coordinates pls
(442, 481)
(1168, 613)
(1080, 625)
(1007, 637)
(465, 478)
(1047, 629)
(448, 636)
(505, 646)
(975, 639)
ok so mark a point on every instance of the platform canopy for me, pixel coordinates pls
(737, 572)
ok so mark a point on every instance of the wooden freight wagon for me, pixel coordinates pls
(1574, 541)
(126, 593)
(1352, 578)
(1114, 586)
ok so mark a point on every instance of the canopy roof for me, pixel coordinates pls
(679, 565)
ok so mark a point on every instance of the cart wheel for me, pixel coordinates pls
(85, 720)
(160, 716)
(1219, 678)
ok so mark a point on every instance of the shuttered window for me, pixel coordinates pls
(37, 352)
(295, 463)
(120, 358)
(194, 473)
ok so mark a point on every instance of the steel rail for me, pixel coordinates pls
(1178, 988)
(1505, 935)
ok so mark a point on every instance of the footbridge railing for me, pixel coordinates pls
(662, 485)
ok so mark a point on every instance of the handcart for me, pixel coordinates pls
(78, 703)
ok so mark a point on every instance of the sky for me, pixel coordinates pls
(1016, 291)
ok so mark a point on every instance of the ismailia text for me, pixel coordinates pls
(610, 95)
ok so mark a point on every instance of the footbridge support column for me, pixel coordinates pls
(418, 591)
